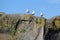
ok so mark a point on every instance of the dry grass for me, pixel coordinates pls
(57, 23)
(40, 22)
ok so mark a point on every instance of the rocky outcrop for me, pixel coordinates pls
(28, 27)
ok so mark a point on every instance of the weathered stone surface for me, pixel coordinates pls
(28, 27)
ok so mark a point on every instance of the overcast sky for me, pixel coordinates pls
(49, 8)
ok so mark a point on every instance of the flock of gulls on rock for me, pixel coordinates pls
(33, 12)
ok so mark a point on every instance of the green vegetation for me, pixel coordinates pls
(23, 31)
(40, 22)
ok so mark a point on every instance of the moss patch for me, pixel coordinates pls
(23, 31)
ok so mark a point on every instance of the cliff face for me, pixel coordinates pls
(26, 26)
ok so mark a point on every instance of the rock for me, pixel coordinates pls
(28, 27)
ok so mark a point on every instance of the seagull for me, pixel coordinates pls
(27, 11)
(33, 12)
(41, 14)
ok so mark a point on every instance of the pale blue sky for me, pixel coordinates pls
(49, 8)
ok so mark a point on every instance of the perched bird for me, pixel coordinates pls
(27, 11)
(41, 14)
(33, 12)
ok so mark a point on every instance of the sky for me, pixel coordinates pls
(49, 8)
